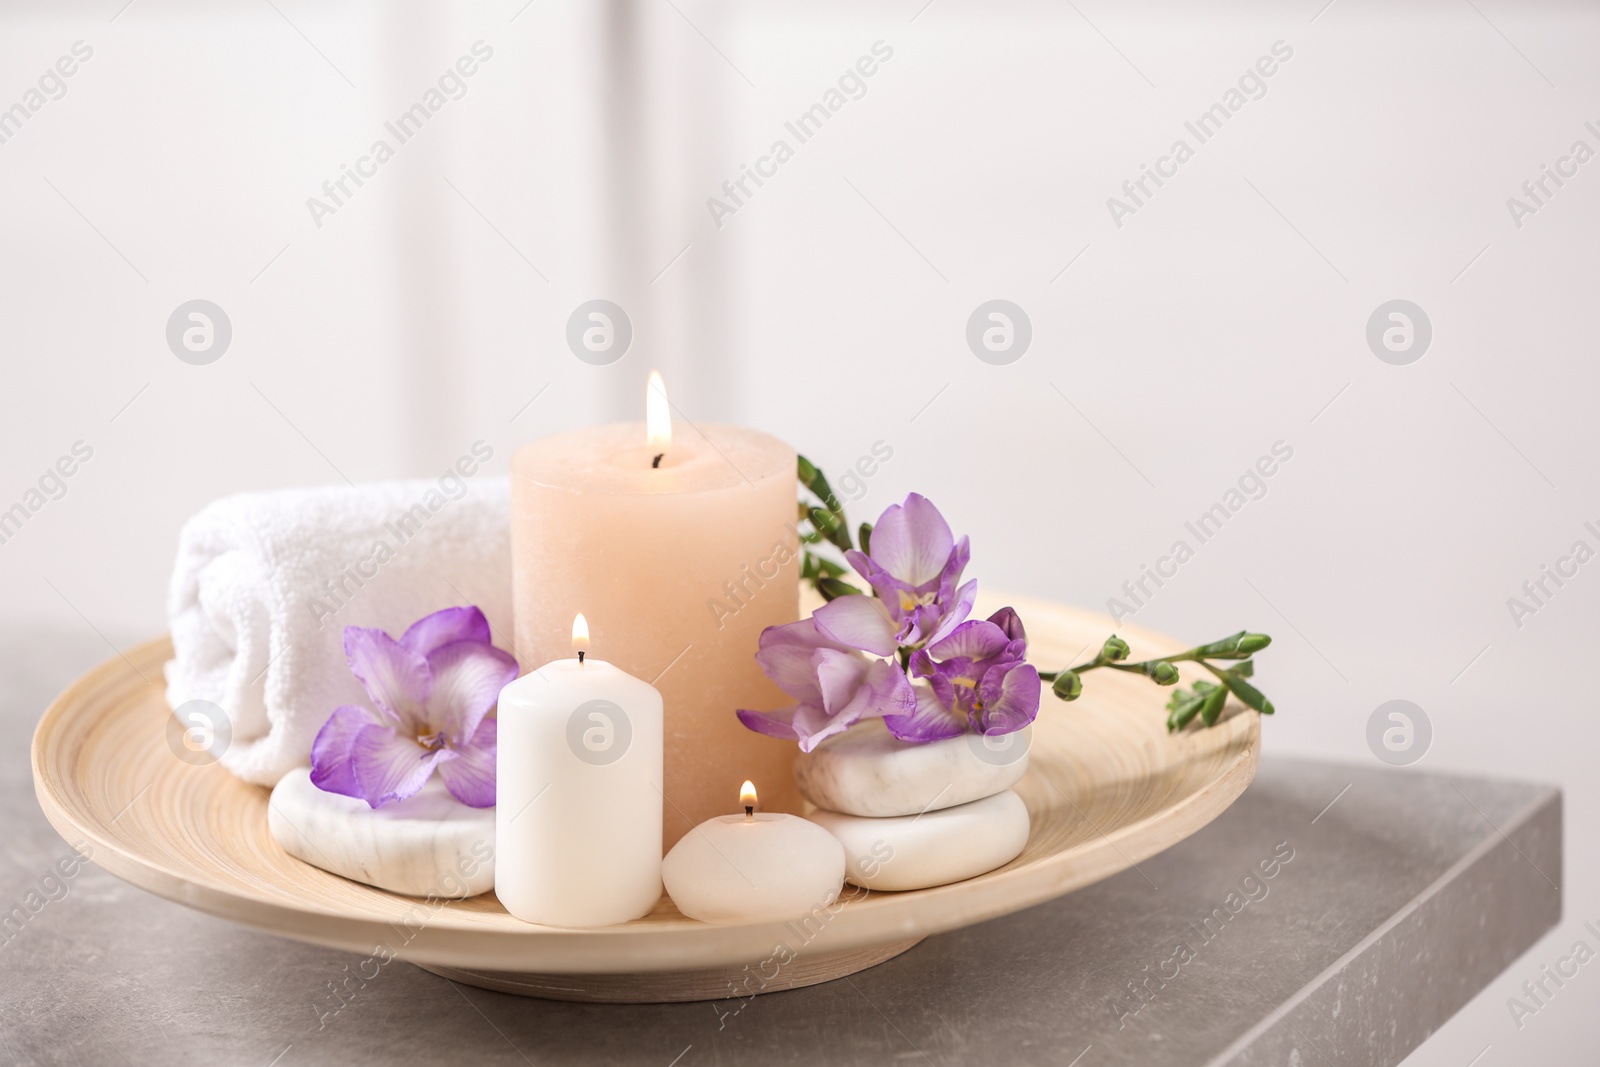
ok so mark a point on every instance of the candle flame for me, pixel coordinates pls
(747, 795)
(580, 633)
(657, 415)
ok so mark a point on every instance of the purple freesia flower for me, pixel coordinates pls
(833, 684)
(914, 567)
(432, 690)
(976, 679)
(953, 675)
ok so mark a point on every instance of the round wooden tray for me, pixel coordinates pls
(1106, 787)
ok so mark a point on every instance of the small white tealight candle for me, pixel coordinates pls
(755, 867)
(578, 804)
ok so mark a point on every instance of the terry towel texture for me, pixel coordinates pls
(265, 584)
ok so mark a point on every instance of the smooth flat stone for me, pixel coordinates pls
(429, 845)
(866, 771)
(769, 868)
(939, 847)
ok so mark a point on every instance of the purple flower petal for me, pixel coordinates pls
(785, 657)
(938, 677)
(446, 627)
(839, 676)
(974, 639)
(470, 776)
(888, 690)
(932, 720)
(914, 569)
(960, 556)
(813, 725)
(389, 767)
(778, 723)
(330, 752)
(397, 679)
(467, 679)
(858, 621)
(853, 689)
(957, 611)
(849, 688)
(1010, 694)
(912, 541)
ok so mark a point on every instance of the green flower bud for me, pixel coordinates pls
(1161, 672)
(1114, 649)
(1253, 643)
(1067, 685)
(833, 588)
(813, 479)
(823, 519)
(1238, 646)
(829, 524)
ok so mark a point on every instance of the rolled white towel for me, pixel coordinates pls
(265, 584)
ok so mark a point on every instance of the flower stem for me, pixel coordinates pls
(1205, 698)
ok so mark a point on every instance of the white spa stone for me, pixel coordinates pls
(768, 867)
(939, 847)
(427, 845)
(866, 771)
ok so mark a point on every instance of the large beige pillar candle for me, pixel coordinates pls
(678, 568)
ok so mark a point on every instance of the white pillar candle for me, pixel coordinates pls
(679, 542)
(754, 867)
(579, 793)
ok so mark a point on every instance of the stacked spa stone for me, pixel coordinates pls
(428, 845)
(911, 816)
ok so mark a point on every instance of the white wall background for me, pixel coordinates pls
(1227, 314)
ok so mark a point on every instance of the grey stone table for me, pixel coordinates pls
(1334, 915)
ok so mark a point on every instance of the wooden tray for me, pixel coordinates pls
(1106, 788)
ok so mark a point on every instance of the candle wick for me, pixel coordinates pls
(654, 463)
(580, 657)
(749, 812)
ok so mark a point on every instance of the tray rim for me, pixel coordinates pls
(879, 919)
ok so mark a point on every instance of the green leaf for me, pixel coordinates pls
(833, 588)
(1185, 705)
(1212, 705)
(1247, 693)
(1244, 668)
(1067, 685)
